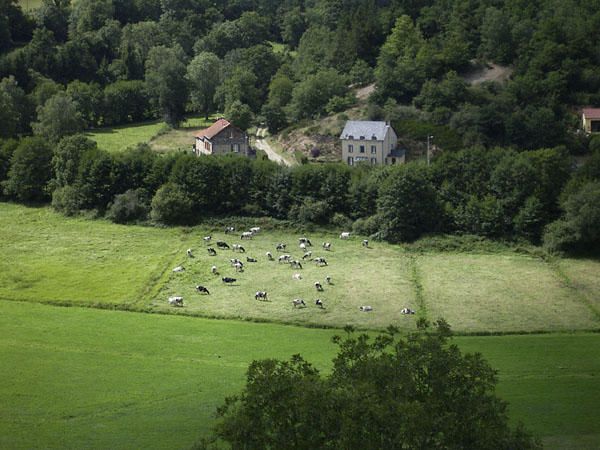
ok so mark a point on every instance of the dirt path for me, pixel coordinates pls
(262, 144)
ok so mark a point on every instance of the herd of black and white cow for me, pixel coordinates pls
(304, 244)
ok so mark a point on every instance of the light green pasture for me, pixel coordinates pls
(502, 292)
(47, 257)
(116, 139)
(86, 378)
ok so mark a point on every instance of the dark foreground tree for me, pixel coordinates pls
(387, 392)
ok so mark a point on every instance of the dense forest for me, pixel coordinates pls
(68, 66)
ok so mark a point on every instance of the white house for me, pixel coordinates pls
(370, 142)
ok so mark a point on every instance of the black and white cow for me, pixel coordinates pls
(214, 270)
(320, 261)
(366, 308)
(327, 245)
(250, 259)
(229, 230)
(190, 253)
(307, 255)
(318, 286)
(202, 290)
(247, 235)
(281, 247)
(179, 269)
(176, 301)
(207, 239)
(345, 235)
(328, 279)
(260, 295)
(295, 264)
(365, 243)
(284, 258)
(319, 303)
(255, 230)
(211, 251)
(407, 311)
(228, 280)
(238, 248)
(269, 256)
(298, 302)
(222, 245)
(305, 241)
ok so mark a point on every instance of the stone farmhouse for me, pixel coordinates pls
(591, 120)
(370, 142)
(222, 138)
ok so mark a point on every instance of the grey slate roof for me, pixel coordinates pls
(364, 129)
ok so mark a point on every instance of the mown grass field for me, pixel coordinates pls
(157, 134)
(49, 258)
(87, 378)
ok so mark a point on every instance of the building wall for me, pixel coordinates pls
(591, 125)
(381, 148)
(230, 140)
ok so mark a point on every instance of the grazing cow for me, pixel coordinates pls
(235, 261)
(207, 239)
(229, 230)
(295, 264)
(228, 280)
(320, 261)
(319, 303)
(296, 276)
(365, 243)
(284, 258)
(328, 279)
(246, 235)
(307, 255)
(255, 230)
(345, 235)
(318, 286)
(260, 295)
(269, 256)
(239, 267)
(176, 301)
(211, 251)
(222, 245)
(238, 248)
(249, 259)
(281, 247)
(366, 308)
(214, 270)
(305, 241)
(302, 247)
(327, 245)
(298, 302)
(407, 311)
(189, 252)
(179, 269)
(202, 289)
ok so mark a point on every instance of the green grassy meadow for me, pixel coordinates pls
(28, 5)
(52, 259)
(87, 378)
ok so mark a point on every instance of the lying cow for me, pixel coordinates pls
(366, 308)
(296, 276)
(176, 301)
(207, 239)
(281, 247)
(179, 269)
(228, 280)
(260, 295)
(249, 259)
(246, 235)
(202, 290)
(407, 311)
(222, 245)
(298, 302)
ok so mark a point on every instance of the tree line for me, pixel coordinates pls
(121, 61)
(498, 193)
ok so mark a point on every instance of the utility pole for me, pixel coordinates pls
(429, 139)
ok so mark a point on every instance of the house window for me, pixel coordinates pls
(350, 148)
(595, 126)
(362, 148)
(235, 148)
(373, 149)
(350, 161)
(393, 160)
(373, 161)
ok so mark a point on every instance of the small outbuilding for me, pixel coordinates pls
(591, 120)
(220, 138)
(370, 142)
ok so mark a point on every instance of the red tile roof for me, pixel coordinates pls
(591, 113)
(214, 129)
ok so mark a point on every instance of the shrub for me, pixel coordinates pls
(171, 206)
(368, 226)
(67, 200)
(131, 206)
